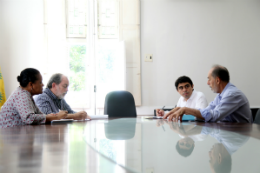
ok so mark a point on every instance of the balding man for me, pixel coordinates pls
(230, 104)
(52, 98)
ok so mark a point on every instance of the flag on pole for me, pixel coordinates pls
(2, 90)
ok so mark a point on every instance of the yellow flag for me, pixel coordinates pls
(2, 90)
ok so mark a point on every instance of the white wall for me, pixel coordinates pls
(188, 37)
(185, 38)
(21, 38)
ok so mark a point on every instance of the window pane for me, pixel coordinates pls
(110, 69)
(78, 97)
(108, 19)
(76, 18)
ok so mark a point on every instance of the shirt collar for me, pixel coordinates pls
(222, 93)
(192, 95)
(50, 93)
(22, 90)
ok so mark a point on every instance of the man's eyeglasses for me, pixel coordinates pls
(187, 144)
(185, 86)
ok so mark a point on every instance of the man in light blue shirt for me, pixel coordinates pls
(230, 104)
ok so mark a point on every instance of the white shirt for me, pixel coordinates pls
(195, 138)
(197, 100)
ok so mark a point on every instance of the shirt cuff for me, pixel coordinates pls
(205, 130)
(40, 118)
(205, 113)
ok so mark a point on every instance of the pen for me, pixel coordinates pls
(161, 109)
(162, 125)
(163, 128)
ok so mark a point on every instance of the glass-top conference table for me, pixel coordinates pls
(131, 145)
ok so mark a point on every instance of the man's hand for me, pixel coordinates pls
(171, 112)
(177, 115)
(82, 115)
(177, 127)
(56, 116)
(160, 122)
(62, 115)
(159, 112)
(174, 126)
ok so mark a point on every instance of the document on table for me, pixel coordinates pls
(154, 117)
(93, 117)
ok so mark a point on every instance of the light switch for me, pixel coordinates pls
(149, 58)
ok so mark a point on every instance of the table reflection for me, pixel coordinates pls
(19, 151)
(117, 140)
(50, 148)
(219, 155)
(120, 129)
(135, 144)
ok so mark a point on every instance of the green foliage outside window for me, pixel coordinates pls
(77, 67)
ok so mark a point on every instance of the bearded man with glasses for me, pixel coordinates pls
(52, 99)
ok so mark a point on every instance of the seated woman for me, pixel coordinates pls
(20, 109)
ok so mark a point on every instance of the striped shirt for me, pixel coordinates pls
(50, 103)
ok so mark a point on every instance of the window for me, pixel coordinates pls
(94, 43)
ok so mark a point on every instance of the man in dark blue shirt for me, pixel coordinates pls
(52, 98)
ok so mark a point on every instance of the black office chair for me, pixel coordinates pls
(120, 129)
(120, 104)
(257, 117)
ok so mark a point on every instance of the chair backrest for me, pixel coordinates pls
(257, 117)
(120, 104)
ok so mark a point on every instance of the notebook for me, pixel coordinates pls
(188, 118)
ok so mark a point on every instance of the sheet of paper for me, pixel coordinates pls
(82, 120)
(93, 117)
(154, 117)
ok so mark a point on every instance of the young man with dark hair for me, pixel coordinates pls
(185, 146)
(189, 97)
(230, 105)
